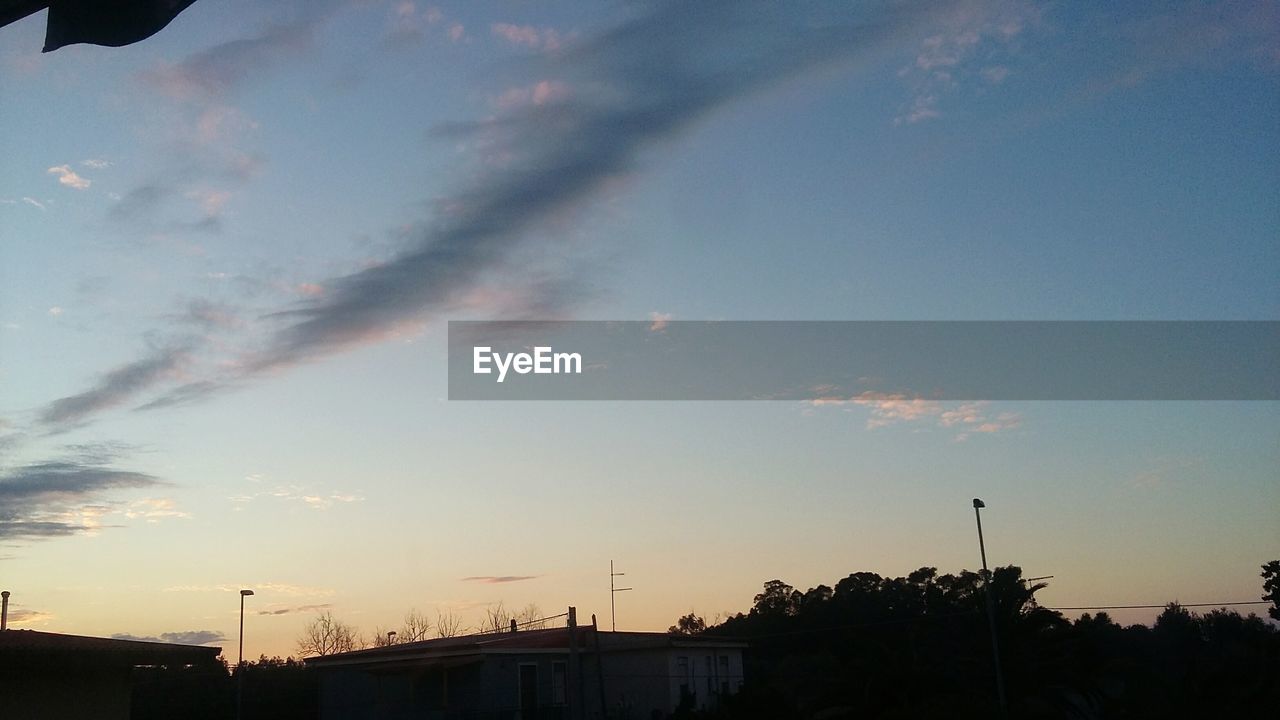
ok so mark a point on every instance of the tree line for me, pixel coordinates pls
(919, 647)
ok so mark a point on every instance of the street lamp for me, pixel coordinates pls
(240, 661)
(991, 608)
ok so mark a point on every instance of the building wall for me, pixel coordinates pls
(629, 685)
(64, 694)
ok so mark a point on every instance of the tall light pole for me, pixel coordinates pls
(991, 609)
(240, 661)
(613, 591)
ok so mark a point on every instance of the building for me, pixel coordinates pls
(50, 676)
(548, 674)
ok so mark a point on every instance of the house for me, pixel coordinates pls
(563, 673)
(50, 676)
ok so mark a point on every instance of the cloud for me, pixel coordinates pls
(22, 616)
(285, 610)
(116, 387)
(408, 22)
(540, 93)
(970, 33)
(528, 36)
(263, 588)
(213, 74)
(208, 315)
(635, 86)
(1192, 35)
(203, 162)
(151, 509)
(995, 74)
(294, 493)
(55, 311)
(96, 163)
(898, 408)
(496, 579)
(63, 497)
(140, 209)
(650, 86)
(184, 637)
(68, 177)
(34, 203)
(658, 321)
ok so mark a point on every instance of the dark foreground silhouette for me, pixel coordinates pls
(919, 647)
(907, 647)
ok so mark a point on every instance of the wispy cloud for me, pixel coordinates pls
(34, 203)
(1185, 35)
(564, 152)
(68, 177)
(970, 36)
(409, 23)
(153, 509)
(298, 494)
(115, 387)
(24, 616)
(635, 86)
(528, 36)
(63, 497)
(96, 163)
(498, 579)
(262, 588)
(293, 610)
(889, 409)
(183, 637)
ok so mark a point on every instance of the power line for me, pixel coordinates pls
(1165, 605)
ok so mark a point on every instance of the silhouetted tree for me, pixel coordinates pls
(416, 627)
(690, 624)
(496, 618)
(1271, 587)
(448, 624)
(777, 599)
(326, 635)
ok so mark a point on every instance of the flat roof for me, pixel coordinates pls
(471, 648)
(34, 646)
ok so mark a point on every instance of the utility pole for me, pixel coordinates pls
(613, 591)
(991, 611)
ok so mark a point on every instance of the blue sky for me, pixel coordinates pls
(227, 254)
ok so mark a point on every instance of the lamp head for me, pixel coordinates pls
(246, 592)
(978, 503)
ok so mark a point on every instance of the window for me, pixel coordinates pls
(559, 683)
(685, 676)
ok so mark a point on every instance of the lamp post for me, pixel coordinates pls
(240, 661)
(991, 609)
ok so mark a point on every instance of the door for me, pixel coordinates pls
(528, 692)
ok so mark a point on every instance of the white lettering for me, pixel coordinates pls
(541, 362)
(479, 361)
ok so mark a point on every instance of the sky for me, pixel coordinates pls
(228, 254)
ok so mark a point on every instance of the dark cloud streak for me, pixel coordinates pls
(115, 387)
(185, 637)
(47, 499)
(635, 86)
